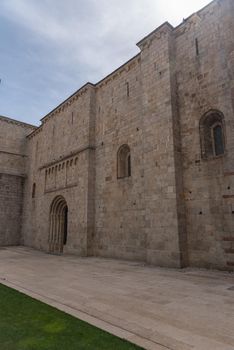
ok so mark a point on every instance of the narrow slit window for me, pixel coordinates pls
(197, 47)
(34, 190)
(127, 84)
(129, 165)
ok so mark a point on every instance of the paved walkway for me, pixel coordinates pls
(156, 308)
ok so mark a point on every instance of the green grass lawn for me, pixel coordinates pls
(28, 324)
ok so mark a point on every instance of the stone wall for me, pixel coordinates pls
(13, 159)
(176, 209)
(120, 203)
(203, 70)
(61, 164)
(160, 171)
(11, 194)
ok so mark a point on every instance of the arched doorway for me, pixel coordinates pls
(58, 225)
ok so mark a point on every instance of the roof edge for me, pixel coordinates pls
(117, 69)
(86, 85)
(163, 25)
(196, 13)
(18, 122)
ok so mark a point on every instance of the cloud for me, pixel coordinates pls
(34, 17)
(92, 32)
(55, 46)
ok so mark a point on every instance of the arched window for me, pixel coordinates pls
(123, 162)
(212, 134)
(33, 190)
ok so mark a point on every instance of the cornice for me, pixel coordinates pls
(195, 18)
(35, 132)
(67, 156)
(68, 101)
(164, 29)
(17, 122)
(126, 67)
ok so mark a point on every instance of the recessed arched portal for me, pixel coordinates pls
(58, 225)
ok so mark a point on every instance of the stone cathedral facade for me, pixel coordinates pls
(138, 166)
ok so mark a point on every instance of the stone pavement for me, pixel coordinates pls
(153, 307)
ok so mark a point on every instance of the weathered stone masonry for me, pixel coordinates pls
(12, 175)
(140, 165)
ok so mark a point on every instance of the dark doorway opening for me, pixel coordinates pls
(65, 225)
(58, 225)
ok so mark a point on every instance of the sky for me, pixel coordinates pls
(50, 48)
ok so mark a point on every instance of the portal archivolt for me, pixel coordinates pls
(58, 225)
